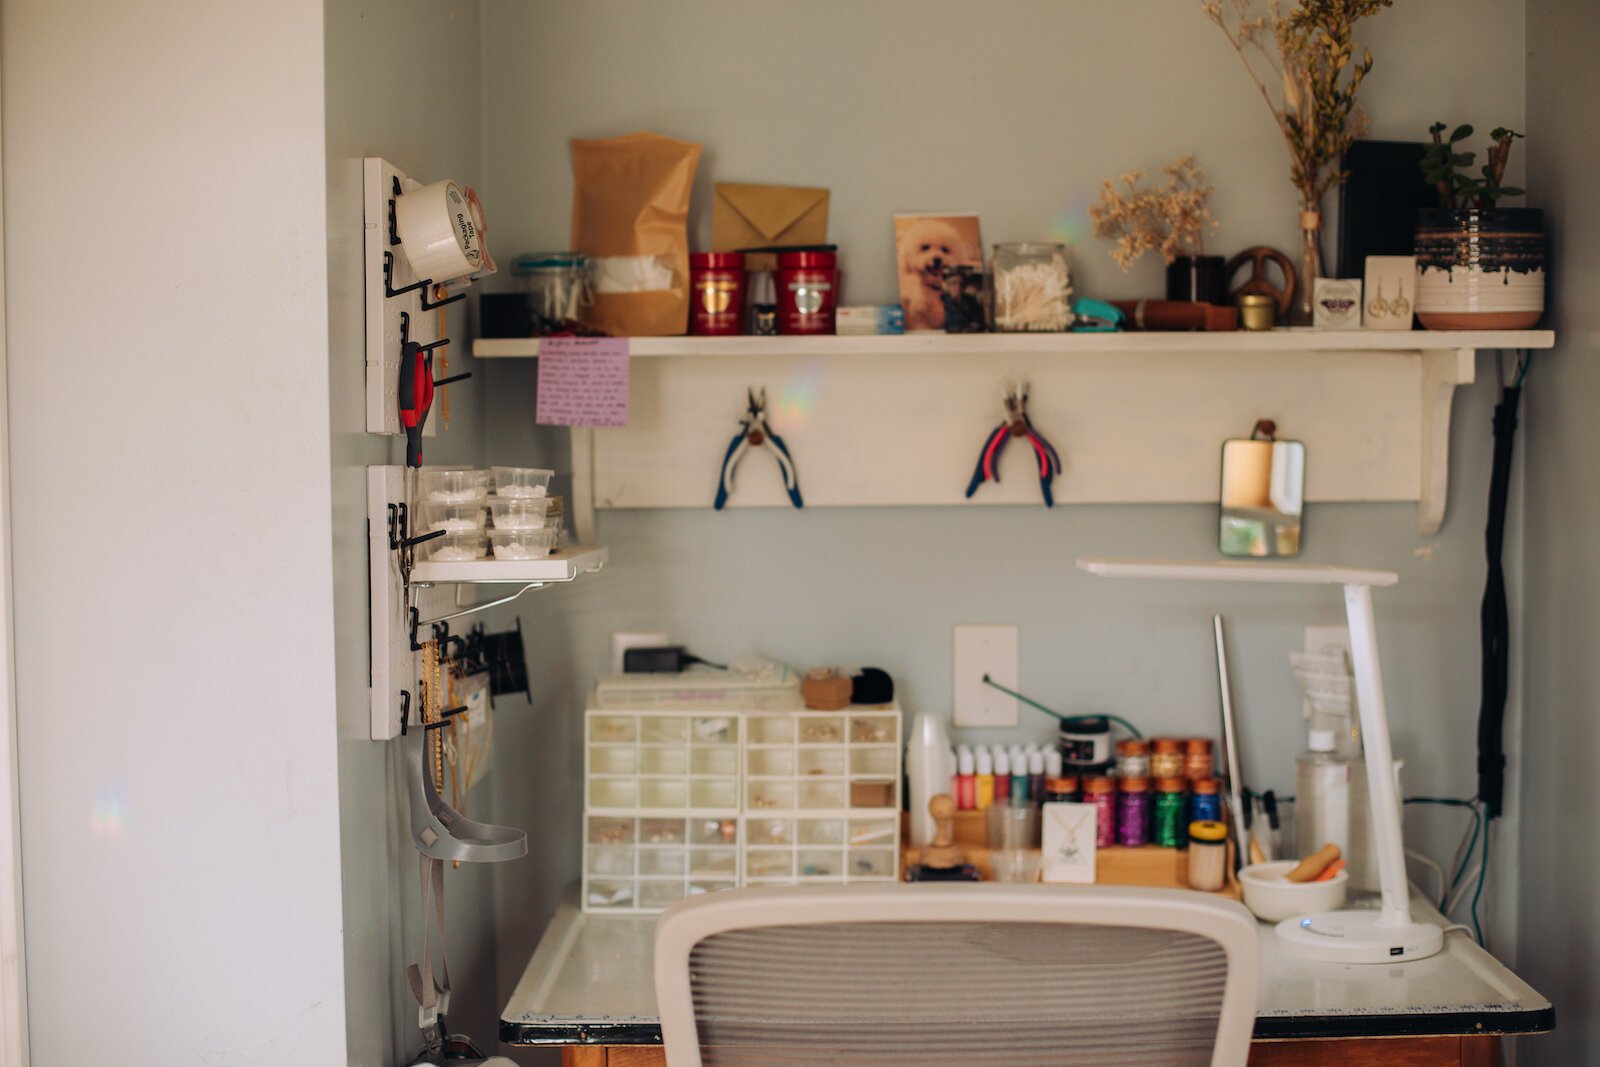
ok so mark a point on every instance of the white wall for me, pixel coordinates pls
(1016, 110)
(1559, 911)
(402, 83)
(167, 295)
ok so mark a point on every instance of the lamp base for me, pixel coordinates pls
(1356, 937)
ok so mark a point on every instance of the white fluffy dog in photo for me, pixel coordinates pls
(925, 249)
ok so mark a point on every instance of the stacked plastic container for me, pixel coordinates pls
(679, 803)
(506, 512)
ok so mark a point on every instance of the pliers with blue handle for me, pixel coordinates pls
(1017, 424)
(754, 431)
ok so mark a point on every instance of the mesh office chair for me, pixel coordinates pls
(951, 974)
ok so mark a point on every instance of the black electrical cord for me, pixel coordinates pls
(1494, 615)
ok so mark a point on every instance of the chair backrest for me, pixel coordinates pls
(952, 975)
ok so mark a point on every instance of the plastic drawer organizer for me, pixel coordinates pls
(684, 802)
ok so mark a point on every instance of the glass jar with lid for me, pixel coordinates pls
(557, 284)
(1030, 287)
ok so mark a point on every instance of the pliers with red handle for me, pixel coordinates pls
(1017, 424)
(416, 387)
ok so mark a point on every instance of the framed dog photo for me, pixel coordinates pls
(924, 246)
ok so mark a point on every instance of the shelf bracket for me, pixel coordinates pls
(583, 484)
(1443, 369)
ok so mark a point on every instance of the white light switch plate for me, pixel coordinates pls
(976, 651)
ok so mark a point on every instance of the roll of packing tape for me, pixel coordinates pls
(442, 230)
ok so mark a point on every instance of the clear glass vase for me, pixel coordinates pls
(1305, 282)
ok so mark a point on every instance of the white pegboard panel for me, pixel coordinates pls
(394, 667)
(383, 311)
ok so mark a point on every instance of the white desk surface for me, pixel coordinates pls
(590, 982)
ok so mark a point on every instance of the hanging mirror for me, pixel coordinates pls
(1263, 494)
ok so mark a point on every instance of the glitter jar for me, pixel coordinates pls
(1133, 812)
(1032, 293)
(808, 292)
(1171, 820)
(1166, 758)
(1063, 790)
(1100, 791)
(1205, 803)
(1197, 758)
(716, 294)
(1133, 759)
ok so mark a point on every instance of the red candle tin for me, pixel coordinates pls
(808, 292)
(716, 294)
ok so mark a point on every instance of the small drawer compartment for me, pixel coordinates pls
(821, 761)
(874, 762)
(660, 894)
(664, 729)
(814, 729)
(771, 762)
(609, 894)
(769, 863)
(771, 729)
(713, 831)
(880, 832)
(762, 795)
(714, 730)
(872, 863)
(821, 831)
(822, 794)
(661, 862)
(663, 793)
(613, 792)
(713, 862)
(611, 759)
(769, 831)
(874, 729)
(713, 793)
(611, 861)
(661, 831)
(606, 830)
(819, 863)
(712, 886)
(613, 729)
(658, 759)
(722, 761)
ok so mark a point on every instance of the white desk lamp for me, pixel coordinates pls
(1387, 935)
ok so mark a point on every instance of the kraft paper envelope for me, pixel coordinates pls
(765, 216)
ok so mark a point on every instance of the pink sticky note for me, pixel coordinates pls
(583, 381)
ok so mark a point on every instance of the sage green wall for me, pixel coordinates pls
(1559, 911)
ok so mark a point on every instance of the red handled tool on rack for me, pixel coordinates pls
(1017, 424)
(416, 387)
(754, 432)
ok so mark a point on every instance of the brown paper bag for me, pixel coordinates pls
(767, 216)
(630, 211)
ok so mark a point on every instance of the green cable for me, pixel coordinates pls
(1124, 723)
(1483, 876)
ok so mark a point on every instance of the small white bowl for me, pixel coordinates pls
(1274, 898)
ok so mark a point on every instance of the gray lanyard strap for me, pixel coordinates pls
(433, 996)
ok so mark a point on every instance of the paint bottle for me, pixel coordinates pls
(1052, 762)
(1205, 802)
(983, 784)
(1002, 776)
(1100, 791)
(1019, 780)
(1133, 812)
(1036, 776)
(966, 780)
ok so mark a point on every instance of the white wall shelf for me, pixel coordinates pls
(563, 566)
(1138, 417)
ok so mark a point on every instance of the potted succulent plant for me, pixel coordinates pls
(1480, 266)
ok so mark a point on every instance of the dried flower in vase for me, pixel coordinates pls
(1302, 62)
(1172, 220)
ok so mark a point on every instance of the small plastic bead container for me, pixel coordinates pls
(533, 543)
(456, 547)
(522, 481)
(454, 484)
(454, 516)
(520, 512)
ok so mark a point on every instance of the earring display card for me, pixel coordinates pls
(1391, 292)
(1338, 304)
(1068, 834)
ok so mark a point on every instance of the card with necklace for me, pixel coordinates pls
(1069, 842)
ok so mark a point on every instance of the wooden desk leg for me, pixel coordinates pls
(613, 1056)
(1379, 1052)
